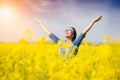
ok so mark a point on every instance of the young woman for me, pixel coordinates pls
(70, 35)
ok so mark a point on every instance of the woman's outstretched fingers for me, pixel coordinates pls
(38, 21)
(97, 19)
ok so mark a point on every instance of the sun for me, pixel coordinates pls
(6, 14)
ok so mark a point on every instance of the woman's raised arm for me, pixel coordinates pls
(43, 27)
(91, 25)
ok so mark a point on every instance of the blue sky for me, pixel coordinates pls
(58, 15)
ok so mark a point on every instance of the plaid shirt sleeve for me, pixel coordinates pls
(54, 37)
(78, 41)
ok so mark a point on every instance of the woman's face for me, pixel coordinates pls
(69, 33)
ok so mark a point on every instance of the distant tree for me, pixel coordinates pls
(107, 39)
(22, 40)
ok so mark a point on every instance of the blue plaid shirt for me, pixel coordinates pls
(76, 42)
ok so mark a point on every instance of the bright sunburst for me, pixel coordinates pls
(6, 14)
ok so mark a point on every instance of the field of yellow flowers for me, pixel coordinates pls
(42, 61)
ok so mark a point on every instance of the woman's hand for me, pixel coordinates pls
(97, 19)
(38, 21)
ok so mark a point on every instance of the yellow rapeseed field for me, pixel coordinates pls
(42, 61)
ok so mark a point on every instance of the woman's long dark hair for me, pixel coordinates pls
(74, 33)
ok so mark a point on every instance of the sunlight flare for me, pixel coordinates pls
(6, 14)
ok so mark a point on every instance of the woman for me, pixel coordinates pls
(70, 35)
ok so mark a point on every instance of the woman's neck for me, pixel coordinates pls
(68, 40)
